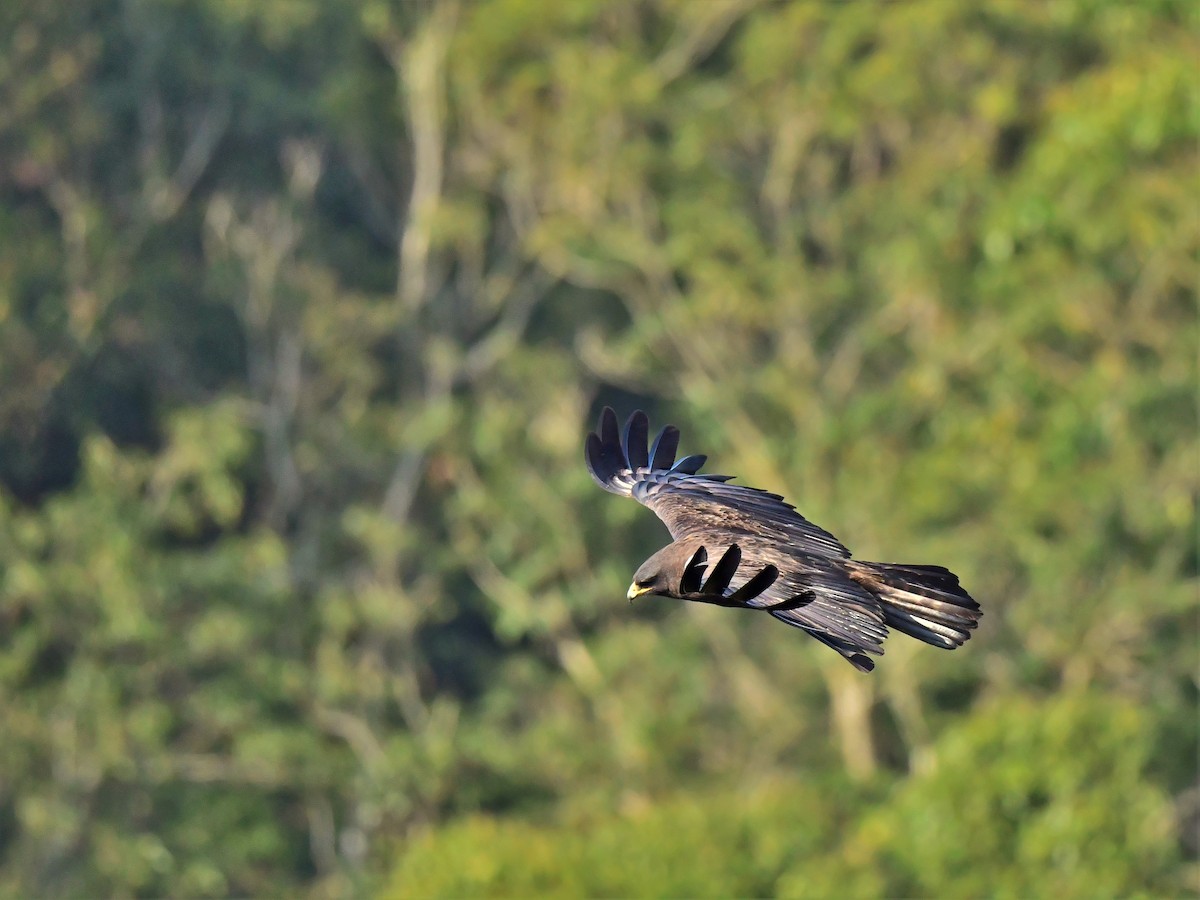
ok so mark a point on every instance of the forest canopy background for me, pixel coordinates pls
(306, 306)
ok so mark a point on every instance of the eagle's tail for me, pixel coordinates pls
(925, 602)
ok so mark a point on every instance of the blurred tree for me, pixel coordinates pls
(986, 820)
(305, 307)
(982, 821)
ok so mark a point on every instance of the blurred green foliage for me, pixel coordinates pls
(306, 307)
(984, 822)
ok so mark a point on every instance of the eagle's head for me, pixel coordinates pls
(663, 573)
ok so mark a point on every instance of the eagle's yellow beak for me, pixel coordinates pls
(636, 591)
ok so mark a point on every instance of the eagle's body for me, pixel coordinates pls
(770, 557)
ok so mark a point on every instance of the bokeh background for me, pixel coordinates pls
(307, 305)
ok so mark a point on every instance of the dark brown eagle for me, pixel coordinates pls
(799, 573)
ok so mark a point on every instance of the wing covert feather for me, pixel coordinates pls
(696, 504)
(689, 503)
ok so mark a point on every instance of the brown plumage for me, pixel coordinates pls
(766, 555)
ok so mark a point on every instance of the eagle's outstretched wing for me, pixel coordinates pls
(689, 503)
(819, 598)
(715, 588)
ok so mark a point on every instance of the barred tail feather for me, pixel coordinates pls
(924, 602)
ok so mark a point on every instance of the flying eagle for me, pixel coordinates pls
(799, 573)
